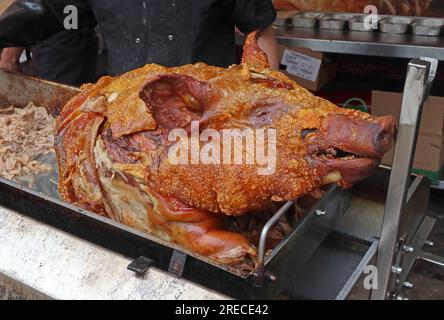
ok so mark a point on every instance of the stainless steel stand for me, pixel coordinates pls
(334, 271)
(400, 241)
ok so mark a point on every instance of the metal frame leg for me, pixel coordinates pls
(420, 76)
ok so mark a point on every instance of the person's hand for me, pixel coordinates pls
(9, 66)
(268, 43)
(10, 59)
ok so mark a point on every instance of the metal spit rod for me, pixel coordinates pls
(263, 240)
(420, 76)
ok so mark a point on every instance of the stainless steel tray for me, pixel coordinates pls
(280, 22)
(428, 27)
(335, 21)
(280, 266)
(432, 27)
(396, 25)
(306, 20)
(357, 24)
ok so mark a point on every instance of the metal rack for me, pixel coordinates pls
(362, 43)
(397, 243)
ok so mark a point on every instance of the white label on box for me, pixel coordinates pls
(301, 65)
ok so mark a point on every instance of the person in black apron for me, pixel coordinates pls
(137, 32)
(68, 57)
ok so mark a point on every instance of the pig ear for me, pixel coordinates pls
(253, 56)
(175, 100)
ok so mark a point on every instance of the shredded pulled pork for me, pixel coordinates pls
(25, 135)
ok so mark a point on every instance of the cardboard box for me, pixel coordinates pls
(429, 157)
(311, 69)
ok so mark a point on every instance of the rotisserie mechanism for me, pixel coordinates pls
(178, 152)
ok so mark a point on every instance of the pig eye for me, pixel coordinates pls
(261, 117)
(270, 82)
(306, 132)
(266, 110)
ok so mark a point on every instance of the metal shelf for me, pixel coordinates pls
(439, 186)
(362, 43)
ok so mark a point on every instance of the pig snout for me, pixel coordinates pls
(370, 138)
(384, 138)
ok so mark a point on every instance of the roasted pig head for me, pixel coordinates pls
(156, 149)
